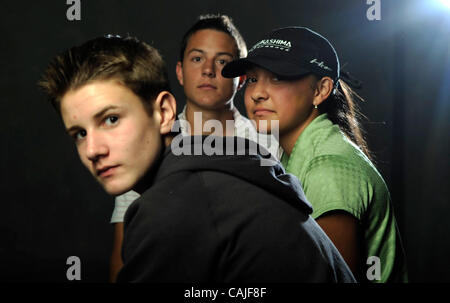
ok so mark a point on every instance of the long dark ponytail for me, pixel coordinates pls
(343, 110)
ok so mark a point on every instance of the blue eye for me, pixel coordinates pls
(111, 120)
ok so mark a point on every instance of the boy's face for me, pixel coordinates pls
(116, 137)
(207, 52)
(268, 98)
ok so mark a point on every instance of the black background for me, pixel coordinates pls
(51, 208)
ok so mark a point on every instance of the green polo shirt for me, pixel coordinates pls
(336, 175)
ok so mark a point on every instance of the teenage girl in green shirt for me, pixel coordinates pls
(294, 86)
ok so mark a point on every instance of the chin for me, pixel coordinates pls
(267, 126)
(117, 189)
(265, 130)
(211, 103)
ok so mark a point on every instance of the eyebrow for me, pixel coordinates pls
(218, 54)
(96, 116)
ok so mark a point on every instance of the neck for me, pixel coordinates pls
(288, 139)
(221, 116)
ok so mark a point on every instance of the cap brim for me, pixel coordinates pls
(281, 68)
(236, 68)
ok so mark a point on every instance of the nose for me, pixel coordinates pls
(259, 92)
(208, 68)
(96, 147)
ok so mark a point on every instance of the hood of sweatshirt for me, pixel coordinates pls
(235, 156)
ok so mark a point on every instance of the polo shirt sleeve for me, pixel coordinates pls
(333, 182)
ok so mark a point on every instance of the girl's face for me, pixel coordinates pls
(290, 102)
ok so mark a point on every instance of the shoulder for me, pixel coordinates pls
(337, 182)
(173, 207)
(169, 190)
(328, 149)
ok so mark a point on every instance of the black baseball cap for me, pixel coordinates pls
(289, 52)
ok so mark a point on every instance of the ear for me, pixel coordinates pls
(166, 105)
(241, 81)
(179, 71)
(324, 87)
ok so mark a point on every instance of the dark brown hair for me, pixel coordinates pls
(221, 23)
(342, 109)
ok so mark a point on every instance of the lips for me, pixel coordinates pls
(262, 111)
(207, 86)
(106, 171)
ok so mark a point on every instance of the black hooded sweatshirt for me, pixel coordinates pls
(225, 218)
